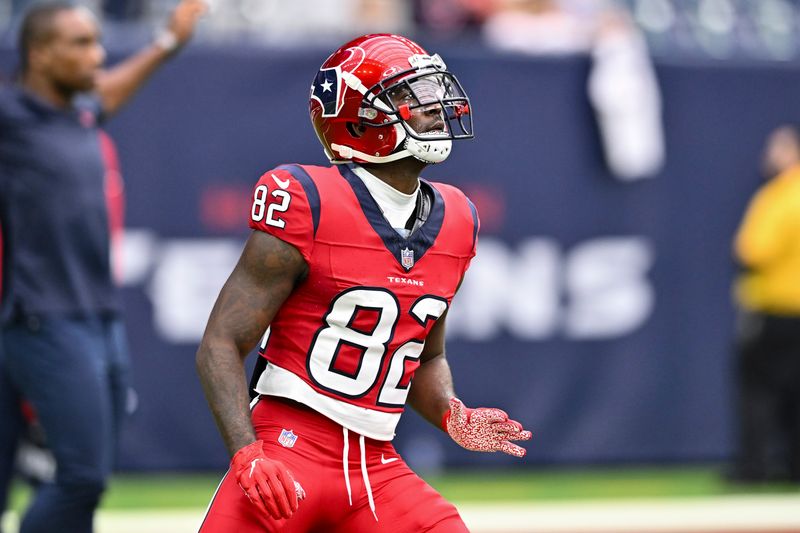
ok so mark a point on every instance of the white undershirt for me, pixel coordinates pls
(396, 206)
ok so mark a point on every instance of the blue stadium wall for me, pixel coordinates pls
(598, 311)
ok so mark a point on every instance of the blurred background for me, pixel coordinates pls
(617, 146)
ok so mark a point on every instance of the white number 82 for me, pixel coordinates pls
(260, 206)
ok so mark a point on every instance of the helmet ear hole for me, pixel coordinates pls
(356, 130)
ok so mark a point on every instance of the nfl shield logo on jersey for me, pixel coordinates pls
(287, 438)
(407, 258)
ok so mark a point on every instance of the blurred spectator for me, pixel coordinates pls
(304, 22)
(623, 89)
(624, 93)
(768, 293)
(538, 27)
(452, 16)
(721, 28)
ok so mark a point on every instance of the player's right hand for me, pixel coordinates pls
(266, 482)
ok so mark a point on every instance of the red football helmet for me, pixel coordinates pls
(365, 92)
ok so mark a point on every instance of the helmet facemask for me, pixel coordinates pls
(398, 98)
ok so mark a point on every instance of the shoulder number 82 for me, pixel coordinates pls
(260, 206)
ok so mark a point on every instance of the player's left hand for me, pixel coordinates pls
(184, 19)
(484, 429)
(266, 482)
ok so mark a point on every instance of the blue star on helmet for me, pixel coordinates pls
(325, 89)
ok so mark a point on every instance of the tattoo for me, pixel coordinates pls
(262, 280)
(264, 277)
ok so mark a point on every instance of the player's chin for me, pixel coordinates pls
(86, 84)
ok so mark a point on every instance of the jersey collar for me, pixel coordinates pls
(407, 251)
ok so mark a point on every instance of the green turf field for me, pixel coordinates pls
(176, 491)
(556, 500)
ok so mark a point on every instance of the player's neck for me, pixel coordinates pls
(46, 90)
(402, 174)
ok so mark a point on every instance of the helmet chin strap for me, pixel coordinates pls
(347, 153)
(430, 152)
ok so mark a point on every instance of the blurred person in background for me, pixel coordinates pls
(353, 267)
(539, 27)
(444, 17)
(63, 347)
(34, 461)
(303, 23)
(767, 246)
(622, 86)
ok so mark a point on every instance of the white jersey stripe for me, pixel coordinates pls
(378, 425)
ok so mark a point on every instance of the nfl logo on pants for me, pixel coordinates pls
(287, 438)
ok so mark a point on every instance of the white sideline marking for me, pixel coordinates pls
(761, 513)
(729, 514)
(151, 521)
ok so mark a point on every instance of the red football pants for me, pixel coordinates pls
(345, 476)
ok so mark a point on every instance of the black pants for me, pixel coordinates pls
(74, 371)
(768, 375)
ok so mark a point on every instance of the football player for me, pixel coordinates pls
(353, 268)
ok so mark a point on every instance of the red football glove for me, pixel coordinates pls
(483, 430)
(266, 482)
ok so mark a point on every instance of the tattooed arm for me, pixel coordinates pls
(262, 280)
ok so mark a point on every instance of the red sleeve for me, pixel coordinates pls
(465, 219)
(476, 226)
(280, 207)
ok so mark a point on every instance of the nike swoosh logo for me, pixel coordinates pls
(283, 184)
(253, 466)
(385, 461)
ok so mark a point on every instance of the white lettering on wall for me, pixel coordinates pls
(598, 289)
(537, 290)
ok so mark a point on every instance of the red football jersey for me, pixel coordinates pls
(348, 339)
